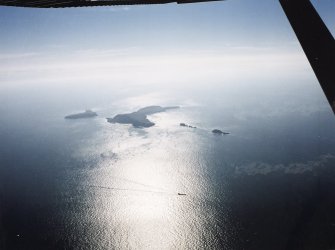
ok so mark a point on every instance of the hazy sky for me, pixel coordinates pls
(229, 33)
(234, 22)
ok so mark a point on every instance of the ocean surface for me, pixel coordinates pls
(89, 184)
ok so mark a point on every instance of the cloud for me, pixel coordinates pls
(143, 66)
(262, 168)
(94, 53)
(13, 56)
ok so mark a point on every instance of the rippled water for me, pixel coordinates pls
(88, 184)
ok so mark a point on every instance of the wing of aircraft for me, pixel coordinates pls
(316, 41)
(87, 3)
(313, 35)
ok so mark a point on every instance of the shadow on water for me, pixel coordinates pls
(309, 207)
(285, 211)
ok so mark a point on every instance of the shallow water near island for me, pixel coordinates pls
(90, 184)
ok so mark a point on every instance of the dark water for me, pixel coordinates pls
(88, 184)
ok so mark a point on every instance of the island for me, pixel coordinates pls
(139, 118)
(87, 114)
(219, 132)
(186, 125)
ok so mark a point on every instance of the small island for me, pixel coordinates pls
(139, 118)
(186, 125)
(219, 132)
(86, 114)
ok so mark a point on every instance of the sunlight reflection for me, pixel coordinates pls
(142, 186)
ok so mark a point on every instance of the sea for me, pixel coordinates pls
(90, 184)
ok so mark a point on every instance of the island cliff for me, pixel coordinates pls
(86, 114)
(219, 132)
(139, 118)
